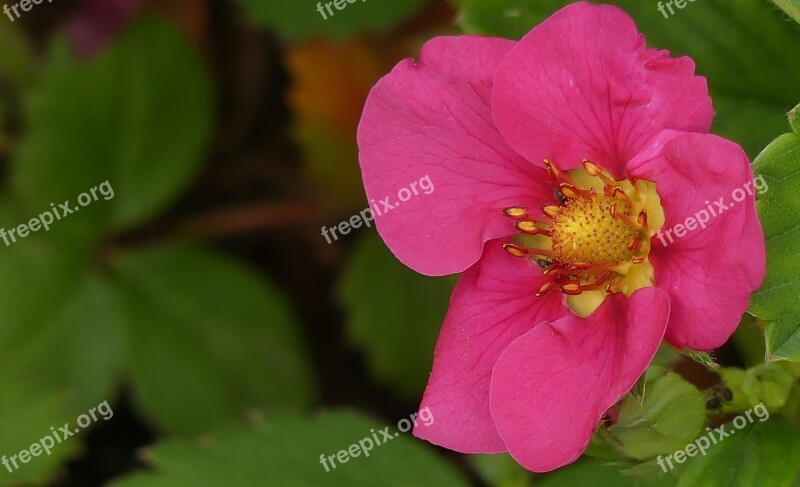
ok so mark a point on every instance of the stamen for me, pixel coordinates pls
(554, 269)
(572, 288)
(552, 170)
(622, 216)
(551, 210)
(557, 175)
(516, 212)
(545, 288)
(515, 250)
(642, 219)
(530, 228)
(595, 170)
(587, 250)
(569, 191)
(620, 195)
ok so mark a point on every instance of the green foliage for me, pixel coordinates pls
(138, 116)
(723, 37)
(285, 451)
(587, 472)
(770, 383)
(202, 338)
(394, 314)
(791, 7)
(26, 416)
(16, 56)
(670, 416)
(760, 454)
(502, 470)
(300, 19)
(776, 302)
(227, 347)
(703, 358)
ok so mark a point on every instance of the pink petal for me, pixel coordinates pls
(552, 385)
(492, 304)
(709, 273)
(433, 119)
(582, 85)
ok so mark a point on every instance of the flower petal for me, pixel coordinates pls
(552, 385)
(582, 85)
(492, 304)
(709, 271)
(433, 119)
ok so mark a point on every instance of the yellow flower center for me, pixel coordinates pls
(595, 239)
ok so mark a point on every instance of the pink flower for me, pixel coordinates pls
(534, 350)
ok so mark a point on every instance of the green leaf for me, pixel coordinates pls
(745, 37)
(285, 451)
(671, 415)
(705, 359)
(794, 119)
(77, 346)
(208, 339)
(769, 383)
(587, 472)
(16, 56)
(26, 417)
(502, 470)
(756, 455)
(394, 314)
(791, 7)
(776, 301)
(138, 116)
(300, 19)
(58, 326)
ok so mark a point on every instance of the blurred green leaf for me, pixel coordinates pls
(587, 472)
(285, 452)
(776, 302)
(300, 19)
(138, 116)
(746, 37)
(78, 345)
(26, 416)
(16, 56)
(791, 7)
(394, 314)
(756, 455)
(57, 325)
(502, 470)
(672, 414)
(208, 339)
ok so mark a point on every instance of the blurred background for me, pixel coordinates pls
(233, 342)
